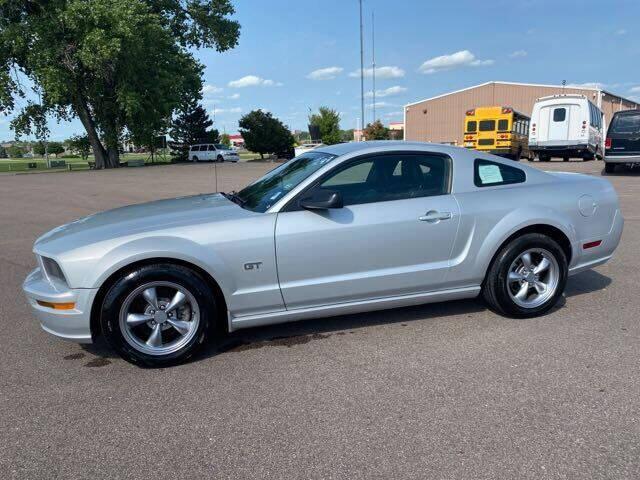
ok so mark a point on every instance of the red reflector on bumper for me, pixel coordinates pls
(592, 244)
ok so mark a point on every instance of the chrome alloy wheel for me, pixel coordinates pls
(159, 318)
(533, 278)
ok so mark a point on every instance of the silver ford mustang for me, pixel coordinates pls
(341, 229)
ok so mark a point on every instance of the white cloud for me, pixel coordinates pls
(635, 89)
(381, 72)
(235, 96)
(586, 85)
(209, 89)
(463, 58)
(621, 31)
(382, 105)
(387, 92)
(227, 110)
(328, 73)
(518, 54)
(253, 81)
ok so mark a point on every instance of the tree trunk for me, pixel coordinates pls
(113, 157)
(99, 152)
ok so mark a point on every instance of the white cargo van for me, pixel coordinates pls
(566, 126)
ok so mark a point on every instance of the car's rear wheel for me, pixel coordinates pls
(609, 167)
(527, 277)
(158, 315)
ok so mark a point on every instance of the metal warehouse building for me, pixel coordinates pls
(440, 119)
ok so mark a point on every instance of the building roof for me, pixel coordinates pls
(579, 87)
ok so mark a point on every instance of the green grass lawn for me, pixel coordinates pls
(23, 164)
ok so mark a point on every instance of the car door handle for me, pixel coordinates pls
(434, 217)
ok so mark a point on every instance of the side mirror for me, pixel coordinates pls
(321, 199)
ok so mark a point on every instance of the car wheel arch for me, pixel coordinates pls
(547, 229)
(96, 306)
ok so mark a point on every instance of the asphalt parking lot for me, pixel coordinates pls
(444, 391)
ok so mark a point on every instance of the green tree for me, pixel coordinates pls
(3, 152)
(328, 120)
(225, 139)
(120, 66)
(191, 126)
(376, 131)
(346, 135)
(80, 145)
(52, 148)
(15, 151)
(263, 133)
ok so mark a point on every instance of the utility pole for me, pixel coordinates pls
(361, 67)
(373, 61)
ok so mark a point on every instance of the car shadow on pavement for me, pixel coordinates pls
(302, 332)
(586, 282)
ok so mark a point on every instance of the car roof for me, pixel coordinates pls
(384, 145)
(627, 112)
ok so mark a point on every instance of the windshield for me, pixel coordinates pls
(266, 191)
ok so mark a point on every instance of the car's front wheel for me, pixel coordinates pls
(527, 277)
(158, 315)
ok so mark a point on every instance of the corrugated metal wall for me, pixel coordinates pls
(442, 119)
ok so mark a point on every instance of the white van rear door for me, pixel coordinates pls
(559, 116)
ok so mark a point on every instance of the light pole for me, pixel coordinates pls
(361, 67)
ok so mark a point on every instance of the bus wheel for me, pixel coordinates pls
(565, 159)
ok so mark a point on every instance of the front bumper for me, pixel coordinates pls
(622, 159)
(75, 324)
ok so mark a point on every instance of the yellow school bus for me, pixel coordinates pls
(498, 130)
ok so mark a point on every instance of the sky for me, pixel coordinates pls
(299, 55)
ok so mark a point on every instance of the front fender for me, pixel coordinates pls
(159, 247)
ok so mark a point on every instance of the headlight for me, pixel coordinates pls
(52, 270)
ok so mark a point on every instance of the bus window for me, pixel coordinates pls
(503, 125)
(487, 125)
(471, 126)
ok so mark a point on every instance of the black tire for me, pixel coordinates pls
(220, 158)
(136, 278)
(544, 158)
(494, 288)
(565, 159)
(518, 155)
(194, 159)
(609, 167)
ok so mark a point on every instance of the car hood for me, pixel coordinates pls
(136, 219)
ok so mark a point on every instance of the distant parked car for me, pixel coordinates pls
(212, 152)
(342, 229)
(622, 145)
(566, 126)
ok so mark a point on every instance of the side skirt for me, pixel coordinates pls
(236, 323)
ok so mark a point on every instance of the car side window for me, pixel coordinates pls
(212, 148)
(490, 174)
(388, 177)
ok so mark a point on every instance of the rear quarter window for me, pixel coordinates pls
(490, 174)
